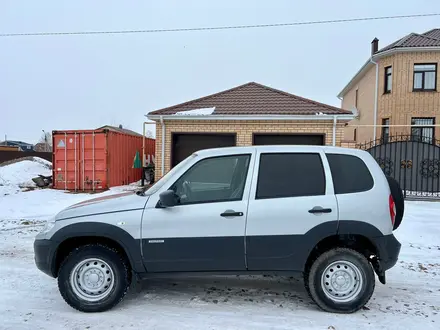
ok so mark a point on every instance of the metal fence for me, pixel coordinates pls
(412, 161)
(11, 155)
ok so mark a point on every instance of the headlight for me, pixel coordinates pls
(48, 226)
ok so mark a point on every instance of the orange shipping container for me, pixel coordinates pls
(94, 160)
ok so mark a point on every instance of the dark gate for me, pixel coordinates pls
(415, 164)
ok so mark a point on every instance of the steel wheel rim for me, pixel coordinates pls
(342, 281)
(92, 279)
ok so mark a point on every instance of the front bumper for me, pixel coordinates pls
(44, 251)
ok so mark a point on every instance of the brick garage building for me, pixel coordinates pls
(250, 114)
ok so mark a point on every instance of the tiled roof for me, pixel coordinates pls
(427, 39)
(254, 99)
(434, 33)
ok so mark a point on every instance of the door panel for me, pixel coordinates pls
(276, 228)
(195, 236)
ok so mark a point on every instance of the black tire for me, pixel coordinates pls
(121, 272)
(399, 200)
(313, 277)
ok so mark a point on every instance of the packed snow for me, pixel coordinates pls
(30, 299)
(196, 112)
(16, 176)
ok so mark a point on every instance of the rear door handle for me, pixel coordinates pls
(231, 213)
(319, 209)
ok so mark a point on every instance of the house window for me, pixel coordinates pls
(355, 134)
(420, 133)
(425, 77)
(388, 79)
(385, 130)
(356, 99)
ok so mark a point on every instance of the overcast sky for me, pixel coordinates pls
(79, 82)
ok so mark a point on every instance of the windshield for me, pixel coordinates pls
(164, 180)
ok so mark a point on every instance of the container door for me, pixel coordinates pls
(66, 157)
(92, 168)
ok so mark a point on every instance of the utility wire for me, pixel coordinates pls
(231, 27)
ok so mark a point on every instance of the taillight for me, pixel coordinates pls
(392, 209)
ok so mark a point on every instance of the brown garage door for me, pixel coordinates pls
(186, 144)
(283, 139)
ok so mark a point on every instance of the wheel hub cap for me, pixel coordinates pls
(342, 281)
(92, 279)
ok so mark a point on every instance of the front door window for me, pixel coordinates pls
(217, 179)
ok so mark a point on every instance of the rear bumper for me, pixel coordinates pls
(44, 251)
(388, 250)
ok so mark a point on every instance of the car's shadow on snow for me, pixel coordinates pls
(281, 292)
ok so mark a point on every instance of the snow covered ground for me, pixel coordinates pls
(30, 299)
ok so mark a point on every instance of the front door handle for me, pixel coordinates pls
(319, 209)
(231, 213)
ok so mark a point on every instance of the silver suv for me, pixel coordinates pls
(325, 212)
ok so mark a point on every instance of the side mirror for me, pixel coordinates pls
(168, 198)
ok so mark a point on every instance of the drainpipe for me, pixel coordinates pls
(162, 165)
(376, 86)
(334, 131)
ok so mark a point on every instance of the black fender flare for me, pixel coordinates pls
(334, 228)
(131, 246)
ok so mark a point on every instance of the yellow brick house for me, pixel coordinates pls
(396, 87)
(249, 114)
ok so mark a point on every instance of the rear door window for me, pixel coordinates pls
(350, 174)
(290, 175)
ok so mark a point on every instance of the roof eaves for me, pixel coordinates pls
(341, 116)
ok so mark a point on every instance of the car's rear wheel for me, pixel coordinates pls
(93, 278)
(340, 281)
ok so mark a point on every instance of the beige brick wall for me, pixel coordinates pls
(244, 131)
(348, 144)
(401, 104)
(365, 107)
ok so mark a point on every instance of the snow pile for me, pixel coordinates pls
(42, 204)
(44, 162)
(19, 175)
(196, 112)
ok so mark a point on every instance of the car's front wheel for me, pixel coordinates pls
(93, 278)
(340, 281)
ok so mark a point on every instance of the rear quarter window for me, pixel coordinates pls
(350, 174)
